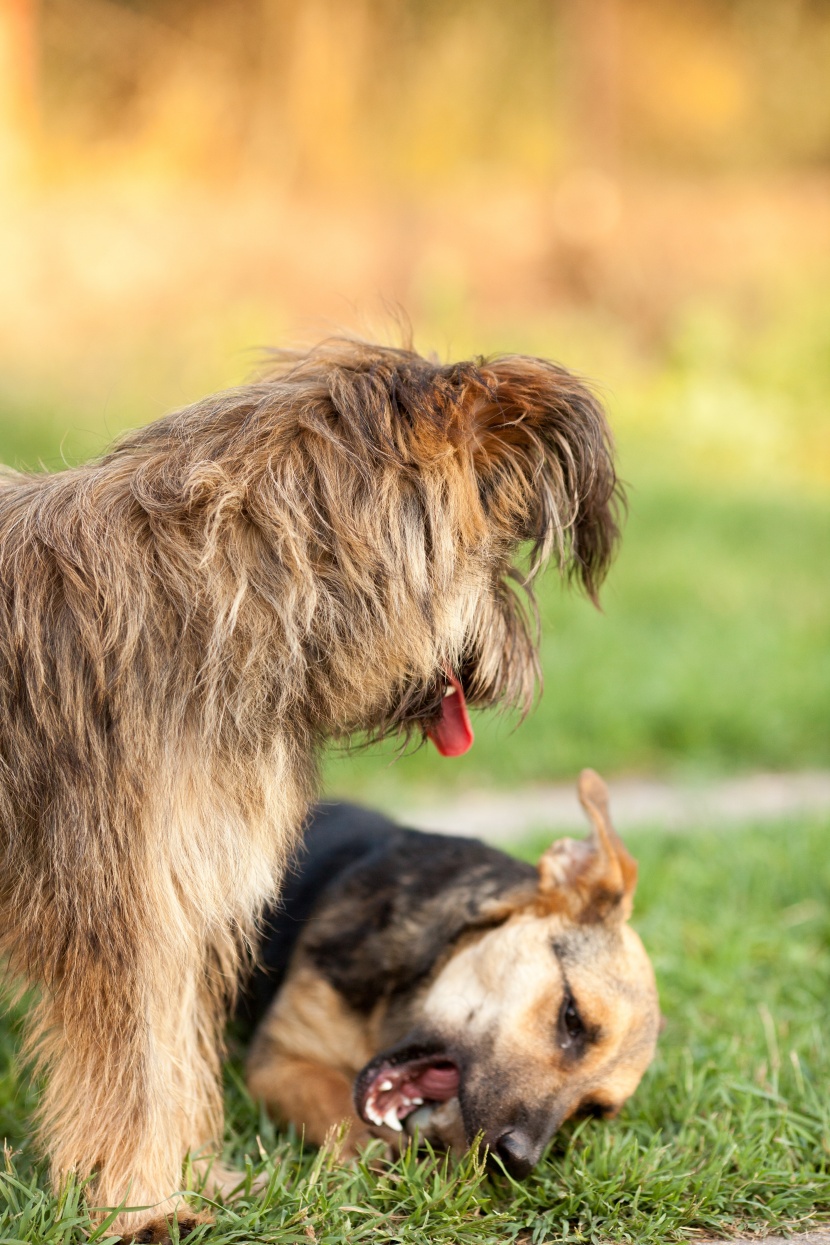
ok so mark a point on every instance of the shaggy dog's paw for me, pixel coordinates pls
(159, 1231)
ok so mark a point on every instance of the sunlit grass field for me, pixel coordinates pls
(710, 656)
(729, 1131)
(639, 190)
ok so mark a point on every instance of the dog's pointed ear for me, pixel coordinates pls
(591, 879)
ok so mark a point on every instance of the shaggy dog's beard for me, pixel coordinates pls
(497, 666)
(183, 623)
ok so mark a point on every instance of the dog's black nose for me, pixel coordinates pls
(517, 1151)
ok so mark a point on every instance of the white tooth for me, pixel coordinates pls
(416, 1102)
(451, 691)
(391, 1120)
(373, 1115)
(384, 1085)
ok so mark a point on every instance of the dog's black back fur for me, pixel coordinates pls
(376, 904)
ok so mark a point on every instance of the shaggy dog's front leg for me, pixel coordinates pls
(133, 925)
(134, 1075)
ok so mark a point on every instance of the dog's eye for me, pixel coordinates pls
(571, 1026)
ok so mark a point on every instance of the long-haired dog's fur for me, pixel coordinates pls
(182, 624)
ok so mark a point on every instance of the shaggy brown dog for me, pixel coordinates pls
(182, 624)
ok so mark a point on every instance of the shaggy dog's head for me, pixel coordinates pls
(368, 508)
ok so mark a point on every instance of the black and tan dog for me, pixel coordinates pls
(433, 982)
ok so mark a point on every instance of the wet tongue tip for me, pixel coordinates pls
(452, 734)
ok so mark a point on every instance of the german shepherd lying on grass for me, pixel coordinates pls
(418, 981)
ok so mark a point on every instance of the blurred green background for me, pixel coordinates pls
(636, 188)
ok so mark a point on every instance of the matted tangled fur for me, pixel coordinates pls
(182, 624)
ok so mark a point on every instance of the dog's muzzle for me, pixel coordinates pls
(517, 1137)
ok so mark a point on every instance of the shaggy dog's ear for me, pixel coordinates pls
(591, 879)
(529, 438)
(543, 457)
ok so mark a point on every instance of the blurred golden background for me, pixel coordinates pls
(638, 188)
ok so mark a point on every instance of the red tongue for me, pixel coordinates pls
(452, 734)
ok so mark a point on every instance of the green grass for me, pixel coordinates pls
(729, 1131)
(711, 656)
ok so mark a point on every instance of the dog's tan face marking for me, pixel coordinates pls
(566, 1012)
(553, 1012)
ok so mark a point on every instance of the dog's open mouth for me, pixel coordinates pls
(451, 731)
(388, 1092)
